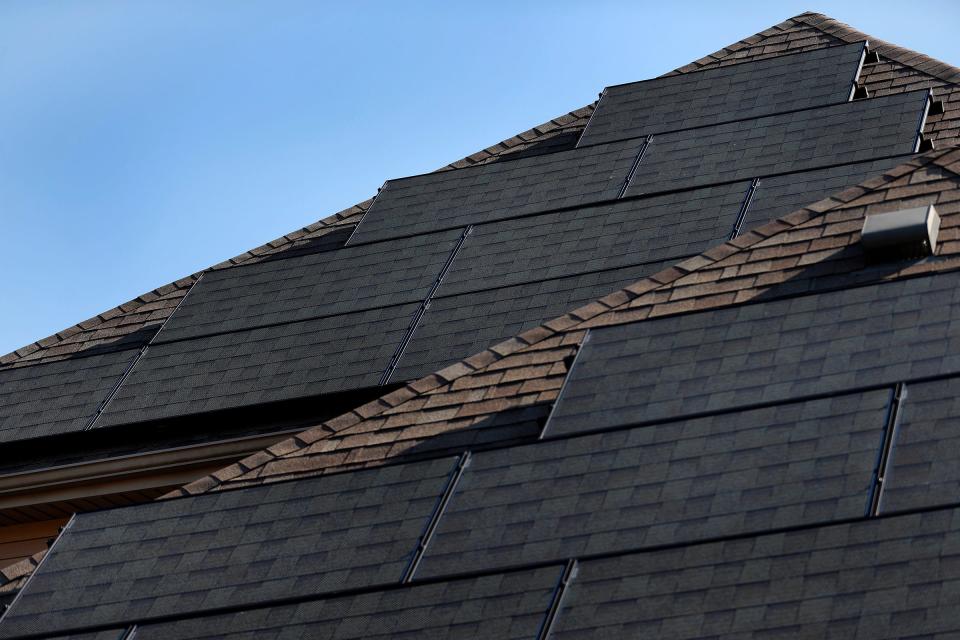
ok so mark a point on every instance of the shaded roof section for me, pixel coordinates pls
(813, 249)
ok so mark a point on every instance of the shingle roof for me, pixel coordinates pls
(900, 70)
(764, 374)
(812, 249)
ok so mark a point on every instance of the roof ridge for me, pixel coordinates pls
(913, 59)
(504, 147)
(841, 32)
(564, 323)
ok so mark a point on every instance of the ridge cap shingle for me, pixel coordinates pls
(843, 33)
(565, 323)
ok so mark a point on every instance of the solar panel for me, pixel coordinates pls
(244, 368)
(335, 282)
(498, 190)
(887, 578)
(727, 474)
(811, 139)
(235, 548)
(456, 327)
(924, 465)
(719, 94)
(768, 351)
(57, 397)
(509, 606)
(626, 233)
(777, 196)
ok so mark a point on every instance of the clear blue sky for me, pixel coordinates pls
(142, 141)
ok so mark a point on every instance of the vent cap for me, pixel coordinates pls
(907, 233)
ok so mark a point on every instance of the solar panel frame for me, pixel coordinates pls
(256, 366)
(801, 140)
(346, 280)
(594, 238)
(58, 397)
(496, 191)
(666, 483)
(233, 548)
(767, 351)
(734, 92)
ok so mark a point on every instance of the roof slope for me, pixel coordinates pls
(901, 70)
(763, 375)
(815, 248)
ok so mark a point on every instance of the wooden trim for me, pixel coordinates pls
(166, 468)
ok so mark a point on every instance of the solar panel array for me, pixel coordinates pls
(764, 352)
(242, 547)
(722, 94)
(447, 264)
(734, 472)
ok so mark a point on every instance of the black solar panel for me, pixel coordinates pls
(109, 634)
(675, 482)
(456, 327)
(509, 606)
(554, 245)
(924, 466)
(282, 362)
(498, 190)
(348, 280)
(886, 578)
(769, 351)
(233, 548)
(721, 94)
(777, 196)
(58, 397)
(844, 133)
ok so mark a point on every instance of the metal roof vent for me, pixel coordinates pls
(907, 233)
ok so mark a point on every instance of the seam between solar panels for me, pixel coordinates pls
(898, 396)
(744, 206)
(633, 168)
(466, 575)
(661, 133)
(36, 569)
(923, 121)
(143, 351)
(596, 108)
(556, 602)
(621, 427)
(364, 216)
(563, 385)
(462, 462)
(856, 75)
(422, 309)
(608, 201)
(665, 259)
(539, 213)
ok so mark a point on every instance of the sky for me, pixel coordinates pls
(143, 141)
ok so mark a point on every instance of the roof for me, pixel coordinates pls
(718, 447)
(901, 69)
